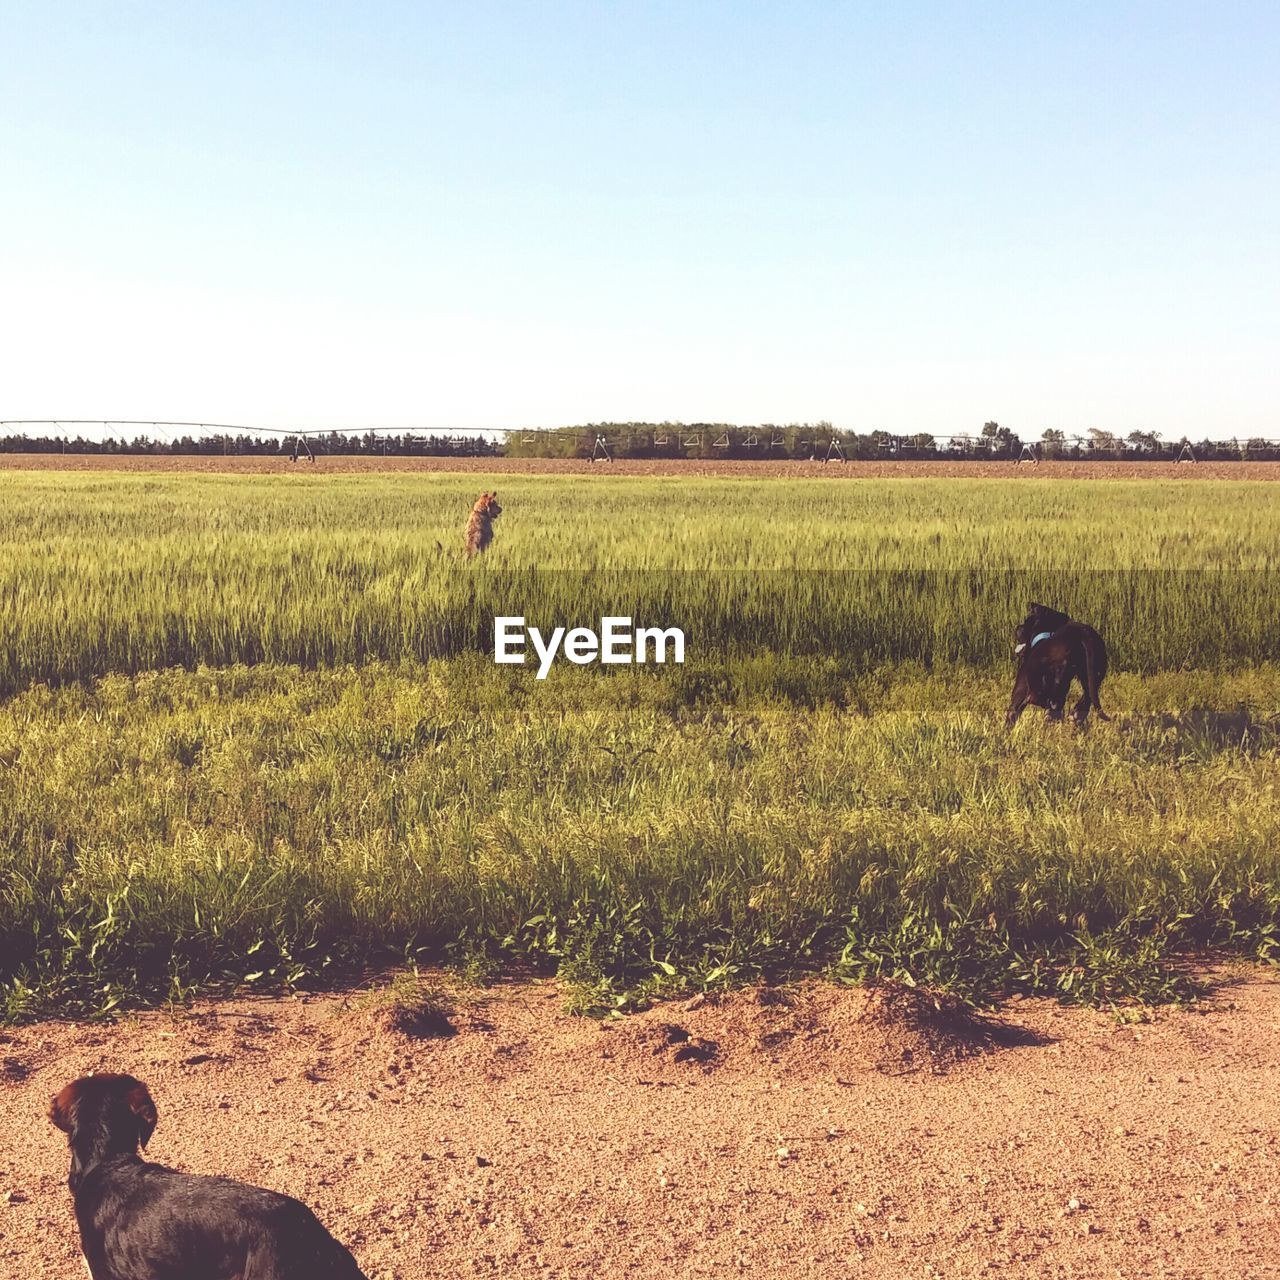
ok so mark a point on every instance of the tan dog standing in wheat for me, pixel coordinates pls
(480, 525)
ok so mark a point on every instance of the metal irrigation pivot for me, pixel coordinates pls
(303, 442)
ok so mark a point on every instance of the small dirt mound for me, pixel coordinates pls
(923, 1030)
(418, 1013)
(686, 1048)
(808, 1030)
(419, 1023)
(645, 1042)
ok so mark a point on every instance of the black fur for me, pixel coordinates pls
(1072, 651)
(141, 1221)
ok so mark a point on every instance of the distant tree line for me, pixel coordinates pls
(368, 443)
(820, 440)
(794, 441)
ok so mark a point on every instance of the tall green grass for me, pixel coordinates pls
(132, 573)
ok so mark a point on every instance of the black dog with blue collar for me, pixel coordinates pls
(1052, 651)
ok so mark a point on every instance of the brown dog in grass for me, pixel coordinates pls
(1052, 650)
(480, 525)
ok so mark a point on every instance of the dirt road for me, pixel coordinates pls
(816, 1133)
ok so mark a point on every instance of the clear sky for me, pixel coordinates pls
(905, 215)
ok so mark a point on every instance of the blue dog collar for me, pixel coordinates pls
(1043, 635)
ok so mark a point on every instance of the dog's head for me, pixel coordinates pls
(487, 505)
(1040, 618)
(113, 1113)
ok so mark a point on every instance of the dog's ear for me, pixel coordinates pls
(60, 1108)
(140, 1104)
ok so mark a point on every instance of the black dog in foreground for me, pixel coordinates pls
(1052, 651)
(141, 1221)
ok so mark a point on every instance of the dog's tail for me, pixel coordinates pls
(1093, 677)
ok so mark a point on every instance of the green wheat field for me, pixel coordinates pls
(249, 733)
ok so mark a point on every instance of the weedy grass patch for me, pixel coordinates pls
(270, 825)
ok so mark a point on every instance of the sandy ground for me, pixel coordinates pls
(672, 467)
(815, 1132)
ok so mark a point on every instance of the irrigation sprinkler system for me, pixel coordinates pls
(298, 442)
(596, 445)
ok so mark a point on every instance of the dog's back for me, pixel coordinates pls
(1087, 653)
(141, 1221)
